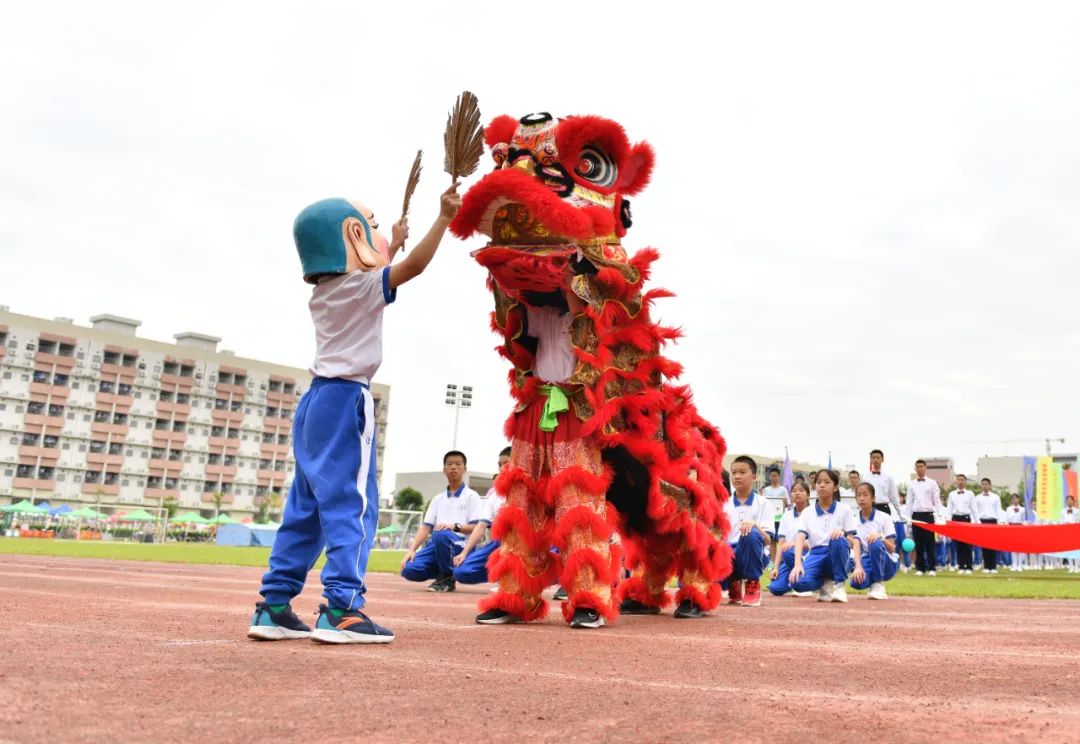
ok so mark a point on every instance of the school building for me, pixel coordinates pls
(97, 414)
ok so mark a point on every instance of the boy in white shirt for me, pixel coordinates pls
(923, 505)
(877, 535)
(451, 516)
(1014, 515)
(960, 507)
(1071, 516)
(829, 529)
(987, 510)
(334, 497)
(751, 523)
(779, 500)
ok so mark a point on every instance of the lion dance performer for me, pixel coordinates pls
(602, 442)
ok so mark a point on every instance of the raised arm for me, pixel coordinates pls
(417, 260)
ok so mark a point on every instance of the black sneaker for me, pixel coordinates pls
(445, 584)
(267, 625)
(560, 595)
(496, 617)
(586, 617)
(633, 607)
(352, 627)
(436, 586)
(687, 609)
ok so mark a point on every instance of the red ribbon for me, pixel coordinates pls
(1026, 538)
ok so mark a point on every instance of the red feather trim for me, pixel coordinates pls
(515, 605)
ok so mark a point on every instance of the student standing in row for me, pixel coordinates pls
(877, 536)
(1014, 515)
(923, 502)
(787, 533)
(988, 511)
(886, 494)
(960, 508)
(779, 502)
(829, 529)
(1071, 516)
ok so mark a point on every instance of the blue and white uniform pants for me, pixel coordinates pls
(878, 564)
(824, 563)
(334, 498)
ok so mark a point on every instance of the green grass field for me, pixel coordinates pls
(1027, 585)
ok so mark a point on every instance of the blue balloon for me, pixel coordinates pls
(908, 545)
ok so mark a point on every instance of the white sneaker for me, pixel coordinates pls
(904, 569)
(919, 573)
(993, 570)
(952, 568)
(825, 593)
(839, 593)
(794, 593)
(877, 591)
(932, 573)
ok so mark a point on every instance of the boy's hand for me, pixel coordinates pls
(409, 555)
(796, 574)
(460, 558)
(450, 202)
(858, 574)
(399, 233)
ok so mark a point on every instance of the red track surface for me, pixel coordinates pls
(122, 651)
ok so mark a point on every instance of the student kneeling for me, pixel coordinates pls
(829, 529)
(877, 537)
(450, 516)
(786, 535)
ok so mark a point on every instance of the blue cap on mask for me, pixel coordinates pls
(319, 237)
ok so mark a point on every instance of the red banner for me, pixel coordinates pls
(1024, 538)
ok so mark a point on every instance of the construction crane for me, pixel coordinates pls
(1045, 440)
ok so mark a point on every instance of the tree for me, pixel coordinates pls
(218, 499)
(262, 513)
(275, 505)
(409, 499)
(169, 505)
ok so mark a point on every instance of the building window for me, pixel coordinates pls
(66, 445)
(76, 478)
(56, 410)
(31, 440)
(66, 350)
(105, 386)
(171, 368)
(40, 376)
(157, 453)
(97, 447)
(24, 471)
(45, 473)
(111, 357)
(183, 397)
(268, 437)
(115, 448)
(92, 476)
(165, 396)
(186, 370)
(59, 379)
(86, 417)
(120, 418)
(213, 459)
(129, 360)
(161, 424)
(236, 405)
(230, 459)
(47, 347)
(170, 483)
(240, 380)
(220, 404)
(111, 479)
(123, 388)
(233, 433)
(175, 455)
(217, 431)
(82, 448)
(35, 407)
(7, 375)
(225, 377)
(154, 481)
(49, 441)
(178, 426)
(271, 412)
(101, 417)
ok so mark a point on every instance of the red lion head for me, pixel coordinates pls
(556, 181)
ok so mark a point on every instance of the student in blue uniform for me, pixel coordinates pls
(334, 497)
(828, 528)
(786, 534)
(470, 565)
(877, 538)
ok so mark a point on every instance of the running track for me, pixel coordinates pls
(128, 651)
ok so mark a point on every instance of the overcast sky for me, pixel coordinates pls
(869, 215)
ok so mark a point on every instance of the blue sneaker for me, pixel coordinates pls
(352, 627)
(267, 625)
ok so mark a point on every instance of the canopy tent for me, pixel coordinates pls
(61, 511)
(189, 518)
(390, 529)
(223, 519)
(84, 512)
(139, 515)
(23, 507)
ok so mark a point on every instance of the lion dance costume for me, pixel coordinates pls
(602, 441)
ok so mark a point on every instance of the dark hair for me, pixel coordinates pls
(506, 452)
(986, 480)
(774, 469)
(854, 472)
(455, 453)
(877, 452)
(867, 484)
(961, 475)
(920, 460)
(801, 485)
(833, 476)
(746, 460)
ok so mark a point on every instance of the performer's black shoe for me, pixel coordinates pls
(560, 595)
(687, 609)
(496, 617)
(633, 607)
(586, 617)
(443, 584)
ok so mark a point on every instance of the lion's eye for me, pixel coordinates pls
(597, 167)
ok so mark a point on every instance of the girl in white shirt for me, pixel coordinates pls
(785, 535)
(829, 529)
(1014, 514)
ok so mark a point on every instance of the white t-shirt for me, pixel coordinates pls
(755, 509)
(788, 527)
(550, 327)
(960, 503)
(1070, 516)
(492, 502)
(879, 522)
(1014, 514)
(818, 524)
(988, 506)
(463, 506)
(778, 496)
(347, 312)
(885, 491)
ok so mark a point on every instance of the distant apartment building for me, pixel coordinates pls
(100, 415)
